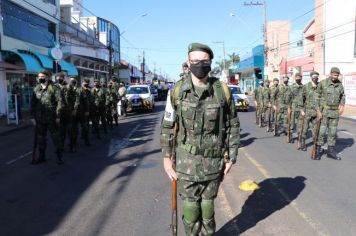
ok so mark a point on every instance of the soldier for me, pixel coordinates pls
(257, 107)
(273, 95)
(185, 72)
(332, 102)
(266, 102)
(95, 106)
(311, 105)
(208, 125)
(111, 102)
(264, 99)
(46, 107)
(82, 109)
(283, 101)
(297, 104)
(72, 100)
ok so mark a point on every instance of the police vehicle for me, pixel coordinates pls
(139, 97)
(241, 101)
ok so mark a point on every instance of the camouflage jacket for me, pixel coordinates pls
(332, 95)
(111, 97)
(311, 98)
(46, 103)
(98, 97)
(84, 100)
(273, 94)
(297, 96)
(71, 96)
(266, 95)
(283, 96)
(199, 153)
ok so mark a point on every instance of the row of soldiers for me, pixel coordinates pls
(297, 108)
(60, 108)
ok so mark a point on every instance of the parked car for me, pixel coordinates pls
(139, 97)
(154, 91)
(241, 101)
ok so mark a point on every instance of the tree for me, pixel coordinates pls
(233, 59)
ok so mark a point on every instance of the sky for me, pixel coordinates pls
(168, 27)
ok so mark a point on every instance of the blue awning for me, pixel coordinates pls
(46, 61)
(30, 61)
(69, 67)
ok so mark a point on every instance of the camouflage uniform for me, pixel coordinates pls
(297, 106)
(283, 96)
(331, 97)
(82, 109)
(64, 114)
(257, 97)
(311, 105)
(97, 101)
(264, 99)
(46, 107)
(273, 95)
(199, 151)
(72, 99)
(111, 103)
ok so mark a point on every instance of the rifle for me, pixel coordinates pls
(174, 225)
(288, 139)
(269, 119)
(275, 131)
(301, 131)
(260, 116)
(315, 138)
(256, 114)
(34, 150)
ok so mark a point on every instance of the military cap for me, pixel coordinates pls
(260, 82)
(184, 64)
(335, 70)
(276, 79)
(298, 74)
(200, 47)
(267, 82)
(45, 72)
(285, 78)
(313, 73)
(86, 80)
(60, 74)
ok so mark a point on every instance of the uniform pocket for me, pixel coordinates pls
(212, 165)
(188, 114)
(212, 112)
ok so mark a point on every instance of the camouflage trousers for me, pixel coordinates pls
(282, 117)
(198, 205)
(41, 129)
(329, 125)
(261, 112)
(295, 123)
(310, 121)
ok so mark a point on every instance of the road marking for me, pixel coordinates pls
(345, 132)
(303, 215)
(118, 144)
(18, 158)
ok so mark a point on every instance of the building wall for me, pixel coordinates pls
(318, 49)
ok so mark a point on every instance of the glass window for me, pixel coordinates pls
(24, 25)
(235, 90)
(137, 90)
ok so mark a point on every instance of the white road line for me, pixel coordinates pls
(117, 144)
(18, 158)
(345, 132)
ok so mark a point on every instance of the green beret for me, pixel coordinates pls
(184, 64)
(45, 72)
(267, 82)
(335, 70)
(86, 80)
(200, 47)
(298, 75)
(276, 79)
(313, 73)
(60, 74)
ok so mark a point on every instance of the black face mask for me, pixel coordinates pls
(85, 85)
(315, 80)
(60, 81)
(334, 80)
(42, 81)
(73, 83)
(285, 82)
(200, 70)
(298, 81)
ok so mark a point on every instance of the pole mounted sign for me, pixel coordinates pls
(55, 53)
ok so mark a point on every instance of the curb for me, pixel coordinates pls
(3, 133)
(348, 118)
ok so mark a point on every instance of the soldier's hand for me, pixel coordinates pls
(227, 168)
(256, 104)
(169, 168)
(33, 121)
(274, 108)
(341, 110)
(302, 113)
(319, 114)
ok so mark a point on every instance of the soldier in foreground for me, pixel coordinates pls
(283, 103)
(332, 102)
(297, 105)
(46, 106)
(204, 114)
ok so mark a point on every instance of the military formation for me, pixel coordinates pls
(61, 108)
(295, 109)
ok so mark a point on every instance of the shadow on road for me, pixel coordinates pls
(344, 143)
(273, 195)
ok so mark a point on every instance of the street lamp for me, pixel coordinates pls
(133, 22)
(223, 45)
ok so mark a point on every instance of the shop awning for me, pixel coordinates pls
(46, 61)
(9, 66)
(69, 67)
(30, 61)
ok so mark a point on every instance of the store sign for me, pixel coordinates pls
(55, 53)
(350, 89)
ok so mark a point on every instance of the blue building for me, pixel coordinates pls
(250, 69)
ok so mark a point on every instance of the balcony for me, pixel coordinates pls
(79, 34)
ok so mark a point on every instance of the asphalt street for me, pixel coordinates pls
(118, 186)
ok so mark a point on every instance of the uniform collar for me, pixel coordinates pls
(188, 85)
(329, 82)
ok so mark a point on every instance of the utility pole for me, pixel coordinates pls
(110, 50)
(224, 56)
(143, 67)
(264, 31)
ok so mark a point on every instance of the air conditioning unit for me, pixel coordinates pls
(311, 53)
(275, 68)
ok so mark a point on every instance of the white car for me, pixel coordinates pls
(139, 97)
(241, 101)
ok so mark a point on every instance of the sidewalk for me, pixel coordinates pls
(350, 112)
(23, 124)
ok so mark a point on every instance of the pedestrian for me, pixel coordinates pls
(46, 104)
(122, 98)
(208, 127)
(311, 99)
(283, 100)
(332, 102)
(297, 104)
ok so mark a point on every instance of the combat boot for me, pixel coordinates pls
(303, 147)
(318, 152)
(192, 229)
(208, 228)
(59, 158)
(331, 153)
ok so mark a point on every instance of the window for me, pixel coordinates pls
(24, 25)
